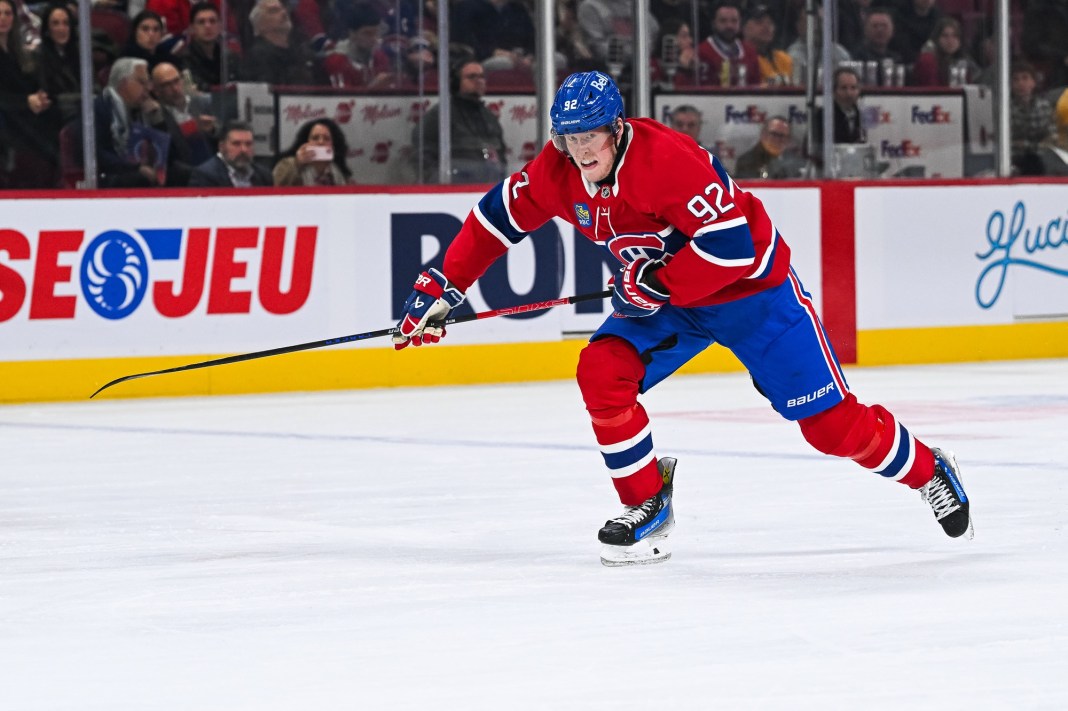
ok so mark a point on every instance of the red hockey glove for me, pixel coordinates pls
(636, 290)
(434, 297)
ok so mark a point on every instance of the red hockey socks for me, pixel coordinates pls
(872, 438)
(609, 372)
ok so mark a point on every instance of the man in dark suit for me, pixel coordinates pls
(848, 127)
(122, 114)
(232, 166)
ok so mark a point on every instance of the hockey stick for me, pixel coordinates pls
(507, 311)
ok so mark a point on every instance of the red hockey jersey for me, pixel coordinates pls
(671, 200)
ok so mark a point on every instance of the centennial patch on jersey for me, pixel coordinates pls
(582, 214)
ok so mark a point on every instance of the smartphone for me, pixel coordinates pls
(321, 152)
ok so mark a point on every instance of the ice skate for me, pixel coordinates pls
(945, 494)
(639, 535)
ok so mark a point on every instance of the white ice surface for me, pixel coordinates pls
(435, 549)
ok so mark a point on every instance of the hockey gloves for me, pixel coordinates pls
(637, 292)
(434, 297)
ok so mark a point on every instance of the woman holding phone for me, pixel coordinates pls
(317, 157)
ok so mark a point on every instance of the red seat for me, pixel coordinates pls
(71, 170)
(510, 80)
(114, 23)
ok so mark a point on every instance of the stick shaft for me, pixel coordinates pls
(507, 311)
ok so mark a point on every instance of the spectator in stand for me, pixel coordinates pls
(608, 27)
(29, 123)
(234, 165)
(916, 21)
(848, 127)
(420, 64)
(878, 43)
(785, 13)
(493, 27)
(1031, 121)
(478, 151)
(776, 66)
(188, 121)
(944, 53)
(1061, 115)
(730, 60)
(798, 50)
(675, 64)
(686, 119)
(677, 10)
(201, 50)
(767, 159)
(360, 61)
(318, 156)
(175, 14)
(1044, 39)
(57, 62)
(850, 20)
(276, 56)
(29, 23)
(570, 41)
(146, 33)
(121, 114)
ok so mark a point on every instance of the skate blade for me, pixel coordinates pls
(647, 552)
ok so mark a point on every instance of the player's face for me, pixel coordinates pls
(593, 152)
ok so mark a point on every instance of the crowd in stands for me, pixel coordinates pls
(156, 63)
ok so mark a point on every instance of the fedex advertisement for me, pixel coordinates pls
(913, 135)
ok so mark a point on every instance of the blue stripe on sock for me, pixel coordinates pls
(629, 456)
(903, 449)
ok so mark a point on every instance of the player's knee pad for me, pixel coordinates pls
(849, 429)
(609, 373)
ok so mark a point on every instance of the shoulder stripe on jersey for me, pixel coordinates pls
(723, 177)
(506, 195)
(720, 262)
(716, 226)
(494, 216)
(768, 259)
(730, 247)
(490, 227)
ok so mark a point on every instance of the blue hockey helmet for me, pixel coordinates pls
(585, 102)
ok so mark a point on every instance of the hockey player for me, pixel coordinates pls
(700, 263)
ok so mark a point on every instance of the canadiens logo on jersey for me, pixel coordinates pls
(582, 214)
(627, 248)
